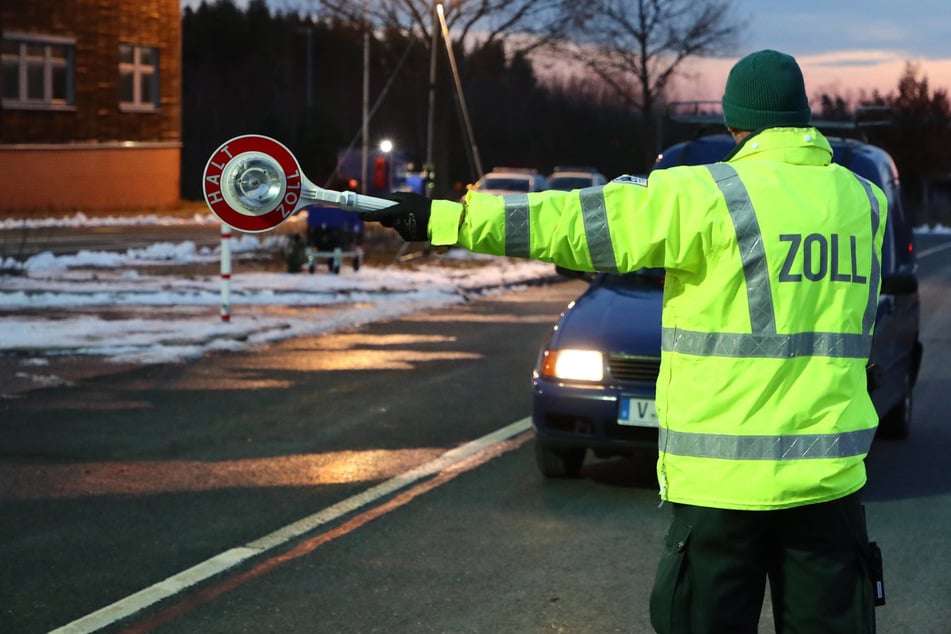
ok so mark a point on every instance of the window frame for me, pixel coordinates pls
(23, 61)
(140, 73)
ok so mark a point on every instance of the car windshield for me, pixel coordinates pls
(510, 184)
(567, 183)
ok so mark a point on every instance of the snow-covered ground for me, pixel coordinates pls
(125, 307)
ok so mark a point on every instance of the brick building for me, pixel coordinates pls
(90, 108)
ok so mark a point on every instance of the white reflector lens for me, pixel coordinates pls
(253, 183)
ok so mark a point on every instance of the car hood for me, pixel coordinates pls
(614, 318)
(500, 192)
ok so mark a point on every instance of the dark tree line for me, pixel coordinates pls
(246, 71)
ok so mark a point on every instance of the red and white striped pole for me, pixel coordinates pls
(225, 272)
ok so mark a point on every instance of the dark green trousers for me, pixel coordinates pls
(712, 575)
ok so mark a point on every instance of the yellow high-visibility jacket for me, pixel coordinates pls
(773, 274)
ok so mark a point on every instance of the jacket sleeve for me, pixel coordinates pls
(619, 227)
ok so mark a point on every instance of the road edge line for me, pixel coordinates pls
(221, 562)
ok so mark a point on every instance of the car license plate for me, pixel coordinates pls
(637, 412)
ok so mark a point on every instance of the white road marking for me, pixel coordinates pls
(935, 249)
(223, 561)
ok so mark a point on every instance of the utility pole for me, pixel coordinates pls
(460, 97)
(429, 170)
(308, 32)
(366, 97)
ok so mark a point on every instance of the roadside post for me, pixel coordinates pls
(225, 272)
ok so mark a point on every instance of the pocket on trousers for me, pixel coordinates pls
(671, 594)
(869, 553)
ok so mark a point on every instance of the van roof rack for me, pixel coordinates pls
(706, 113)
(864, 116)
(698, 112)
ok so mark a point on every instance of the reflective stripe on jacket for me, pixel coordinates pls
(773, 274)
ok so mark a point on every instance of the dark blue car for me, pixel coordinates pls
(593, 385)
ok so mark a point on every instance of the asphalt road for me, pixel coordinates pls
(283, 490)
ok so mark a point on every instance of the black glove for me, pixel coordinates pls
(410, 216)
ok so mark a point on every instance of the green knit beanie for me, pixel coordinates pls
(765, 90)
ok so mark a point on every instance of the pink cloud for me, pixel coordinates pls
(846, 74)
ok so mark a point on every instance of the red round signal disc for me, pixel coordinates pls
(245, 220)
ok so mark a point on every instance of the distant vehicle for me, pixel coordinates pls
(511, 180)
(568, 178)
(333, 235)
(594, 384)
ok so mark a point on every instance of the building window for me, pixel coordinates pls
(37, 72)
(138, 78)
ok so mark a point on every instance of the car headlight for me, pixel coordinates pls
(573, 365)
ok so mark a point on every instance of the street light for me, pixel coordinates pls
(383, 167)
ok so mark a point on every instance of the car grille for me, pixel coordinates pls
(585, 426)
(631, 434)
(624, 367)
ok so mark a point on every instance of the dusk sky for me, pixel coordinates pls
(844, 45)
(813, 27)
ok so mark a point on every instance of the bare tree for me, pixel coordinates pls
(637, 47)
(522, 24)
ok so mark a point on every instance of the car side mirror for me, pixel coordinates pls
(899, 283)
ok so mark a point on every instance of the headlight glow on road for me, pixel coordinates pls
(573, 365)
